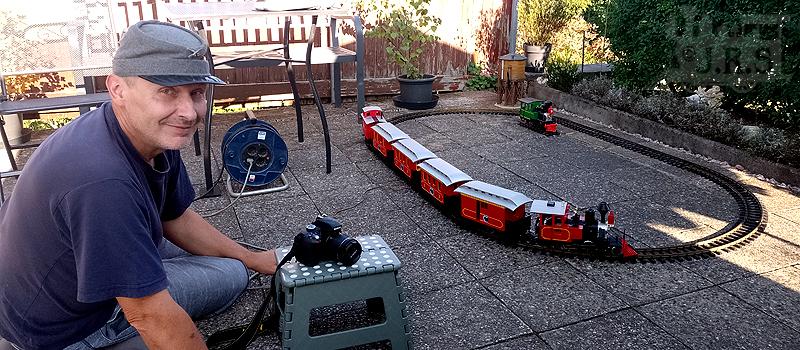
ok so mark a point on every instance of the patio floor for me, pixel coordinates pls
(465, 291)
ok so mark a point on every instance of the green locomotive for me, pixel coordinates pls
(537, 114)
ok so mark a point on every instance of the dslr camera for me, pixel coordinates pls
(323, 240)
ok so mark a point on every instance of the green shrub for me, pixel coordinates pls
(45, 124)
(639, 32)
(561, 73)
(539, 20)
(620, 98)
(592, 89)
(482, 80)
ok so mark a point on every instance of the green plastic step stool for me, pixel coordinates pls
(373, 278)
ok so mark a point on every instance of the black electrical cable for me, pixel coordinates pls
(317, 100)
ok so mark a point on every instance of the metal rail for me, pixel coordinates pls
(749, 224)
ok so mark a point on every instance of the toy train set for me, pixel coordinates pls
(498, 211)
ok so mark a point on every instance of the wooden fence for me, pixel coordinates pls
(471, 30)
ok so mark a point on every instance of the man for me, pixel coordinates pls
(83, 261)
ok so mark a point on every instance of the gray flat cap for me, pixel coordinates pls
(164, 54)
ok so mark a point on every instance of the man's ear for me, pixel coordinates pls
(116, 87)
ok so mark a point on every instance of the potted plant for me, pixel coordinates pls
(538, 21)
(408, 28)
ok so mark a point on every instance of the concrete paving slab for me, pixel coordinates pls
(504, 152)
(552, 295)
(414, 129)
(777, 293)
(427, 267)
(436, 142)
(529, 342)
(484, 257)
(714, 319)
(624, 329)
(792, 214)
(274, 222)
(594, 162)
(465, 316)
(314, 180)
(471, 135)
(449, 124)
(776, 248)
(641, 283)
(652, 223)
(315, 157)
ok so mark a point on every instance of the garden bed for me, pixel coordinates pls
(665, 134)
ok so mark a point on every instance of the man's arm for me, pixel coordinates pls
(195, 235)
(161, 322)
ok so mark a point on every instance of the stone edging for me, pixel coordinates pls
(665, 134)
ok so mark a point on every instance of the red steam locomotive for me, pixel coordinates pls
(497, 209)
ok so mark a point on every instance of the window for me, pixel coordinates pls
(558, 221)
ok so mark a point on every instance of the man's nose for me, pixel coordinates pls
(186, 107)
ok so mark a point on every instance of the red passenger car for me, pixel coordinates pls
(408, 154)
(439, 179)
(493, 206)
(384, 135)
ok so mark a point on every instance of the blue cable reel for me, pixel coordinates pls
(256, 141)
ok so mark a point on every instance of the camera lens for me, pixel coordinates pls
(348, 250)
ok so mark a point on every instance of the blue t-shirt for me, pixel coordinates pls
(81, 228)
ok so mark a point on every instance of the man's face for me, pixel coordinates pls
(157, 117)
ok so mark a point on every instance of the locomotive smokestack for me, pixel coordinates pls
(602, 208)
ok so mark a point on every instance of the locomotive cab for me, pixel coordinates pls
(552, 222)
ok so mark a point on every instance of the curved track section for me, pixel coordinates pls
(748, 225)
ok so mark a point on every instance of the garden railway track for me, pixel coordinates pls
(749, 223)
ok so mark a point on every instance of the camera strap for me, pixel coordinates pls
(240, 337)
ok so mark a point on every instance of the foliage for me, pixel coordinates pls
(474, 68)
(482, 82)
(561, 73)
(655, 39)
(408, 28)
(570, 41)
(696, 118)
(46, 124)
(539, 20)
(31, 86)
(482, 78)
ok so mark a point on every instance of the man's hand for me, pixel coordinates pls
(161, 322)
(264, 262)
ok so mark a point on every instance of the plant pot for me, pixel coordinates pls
(416, 91)
(536, 57)
(17, 135)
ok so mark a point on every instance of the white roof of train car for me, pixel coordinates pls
(493, 194)
(443, 171)
(549, 207)
(389, 132)
(413, 150)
